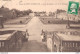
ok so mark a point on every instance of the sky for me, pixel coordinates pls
(36, 5)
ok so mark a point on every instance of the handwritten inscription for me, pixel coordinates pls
(26, 3)
(6, 0)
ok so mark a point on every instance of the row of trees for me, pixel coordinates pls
(22, 13)
(6, 14)
(14, 13)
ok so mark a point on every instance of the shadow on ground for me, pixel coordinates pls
(34, 46)
(74, 27)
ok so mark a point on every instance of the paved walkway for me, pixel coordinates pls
(34, 44)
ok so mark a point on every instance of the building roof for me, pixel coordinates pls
(68, 37)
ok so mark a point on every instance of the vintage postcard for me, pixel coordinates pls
(39, 25)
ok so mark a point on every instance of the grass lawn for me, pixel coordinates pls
(21, 20)
(56, 21)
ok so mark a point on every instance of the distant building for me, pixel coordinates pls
(31, 14)
(40, 13)
(62, 15)
(79, 13)
(65, 16)
(72, 17)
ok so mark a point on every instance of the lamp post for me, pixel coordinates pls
(68, 24)
(13, 13)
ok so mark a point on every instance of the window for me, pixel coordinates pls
(70, 44)
(73, 45)
(2, 44)
(76, 44)
(65, 44)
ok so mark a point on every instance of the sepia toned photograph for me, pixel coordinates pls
(39, 25)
